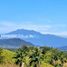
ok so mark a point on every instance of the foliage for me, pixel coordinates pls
(33, 57)
(8, 55)
(1, 56)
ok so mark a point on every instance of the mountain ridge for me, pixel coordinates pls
(39, 39)
(13, 43)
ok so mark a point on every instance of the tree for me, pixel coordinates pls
(56, 56)
(45, 49)
(36, 58)
(20, 55)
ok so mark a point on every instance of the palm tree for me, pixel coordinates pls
(36, 57)
(20, 55)
(45, 49)
(55, 57)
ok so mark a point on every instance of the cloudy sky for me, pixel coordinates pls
(45, 16)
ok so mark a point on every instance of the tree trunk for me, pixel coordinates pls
(21, 64)
(39, 64)
(35, 65)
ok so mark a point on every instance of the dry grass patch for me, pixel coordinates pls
(8, 65)
(65, 65)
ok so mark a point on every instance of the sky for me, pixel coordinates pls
(45, 16)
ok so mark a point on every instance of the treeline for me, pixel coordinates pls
(29, 56)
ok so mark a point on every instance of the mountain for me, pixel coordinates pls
(13, 43)
(64, 48)
(37, 38)
(24, 32)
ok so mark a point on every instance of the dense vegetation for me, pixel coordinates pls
(27, 56)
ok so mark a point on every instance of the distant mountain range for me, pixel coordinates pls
(13, 43)
(37, 38)
(63, 48)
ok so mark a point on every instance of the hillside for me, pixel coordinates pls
(13, 43)
(37, 38)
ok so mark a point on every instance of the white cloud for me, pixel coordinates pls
(64, 34)
(58, 29)
(8, 26)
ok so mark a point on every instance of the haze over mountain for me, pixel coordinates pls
(63, 48)
(37, 38)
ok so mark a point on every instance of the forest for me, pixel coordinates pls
(31, 56)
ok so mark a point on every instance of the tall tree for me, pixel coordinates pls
(36, 58)
(20, 55)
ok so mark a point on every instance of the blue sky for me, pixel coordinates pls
(45, 16)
